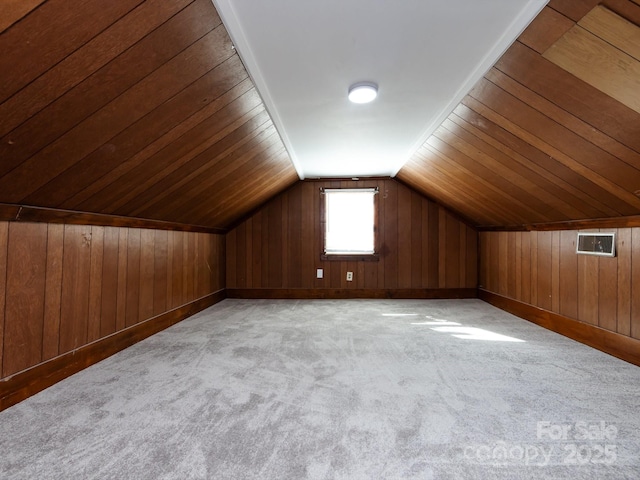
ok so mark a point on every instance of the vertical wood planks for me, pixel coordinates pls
(68, 285)
(421, 245)
(53, 292)
(4, 245)
(24, 310)
(76, 268)
(95, 283)
(602, 291)
(110, 277)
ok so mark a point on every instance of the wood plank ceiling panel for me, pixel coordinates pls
(133, 108)
(533, 143)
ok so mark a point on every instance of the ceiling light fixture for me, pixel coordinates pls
(363, 92)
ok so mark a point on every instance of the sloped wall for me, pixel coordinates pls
(422, 245)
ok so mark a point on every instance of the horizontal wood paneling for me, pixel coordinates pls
(532, 143)
(422, 246)
(135, 109)
(64, 286)
(600, 291)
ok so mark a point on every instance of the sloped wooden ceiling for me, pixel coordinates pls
(133, 108)
(541, 137)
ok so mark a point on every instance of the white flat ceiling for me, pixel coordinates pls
(425, 56)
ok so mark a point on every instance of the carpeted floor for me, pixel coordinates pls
(345, 389)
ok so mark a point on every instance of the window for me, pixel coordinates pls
(349, 223)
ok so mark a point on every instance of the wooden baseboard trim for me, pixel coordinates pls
(345, 293)
(621, 346)
(22, 385)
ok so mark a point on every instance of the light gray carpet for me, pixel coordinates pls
(346, 389)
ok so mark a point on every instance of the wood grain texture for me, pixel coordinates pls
(416, 251)
(39, 377)
(25, 293)
(600, 291)
(621, 346)
(528, 145)
(70, 285)
(138, 110)
(599, 64)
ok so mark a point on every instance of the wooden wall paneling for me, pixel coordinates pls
(220, 144)
(425, 241)
(502, 262)
(561, 116)
(110, 280)
(53, 291)
(160, 271)
(434, 245)
(133, 277)
(588, 267)
(635, 284)
(255, 270)
(96, 264)
(472, 258)
(482, 160)
(86, 60)
(188, 263)
(76, 271)
(563, 182)
(574, 9)
(11, 11)
(608, 293)
(545, 29)
(310, 221)
(534, 268)
(615, 177)
(264, 247)
(131, 140)
(392, 231)
(526, 268)
(417, 246)
(544, 273)
(123, 111)
(555, 271)
(568, 275)
(383, 193)
(405, 235)
(614, 29)
(232, 258)
(452, 251)
(517, 269)
(147, 274)
(598, 63)
(74, 25)
(511, 279)
(493, 277)
(168, 152)
(275, 247)
(249, 253)
(4, 247)
(177, 274)
(569, 93)
(295, 238)
(286, 240)
(108, 83)
(624, 249)
(483, 189)
(121, 296)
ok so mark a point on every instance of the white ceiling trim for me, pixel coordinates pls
(239, 38)
(234, 25)
(522, 21)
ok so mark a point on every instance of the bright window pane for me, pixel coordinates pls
(349, 216)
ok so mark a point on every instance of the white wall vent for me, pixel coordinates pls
(596, 243)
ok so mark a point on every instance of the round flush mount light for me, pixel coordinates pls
(363, 92)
